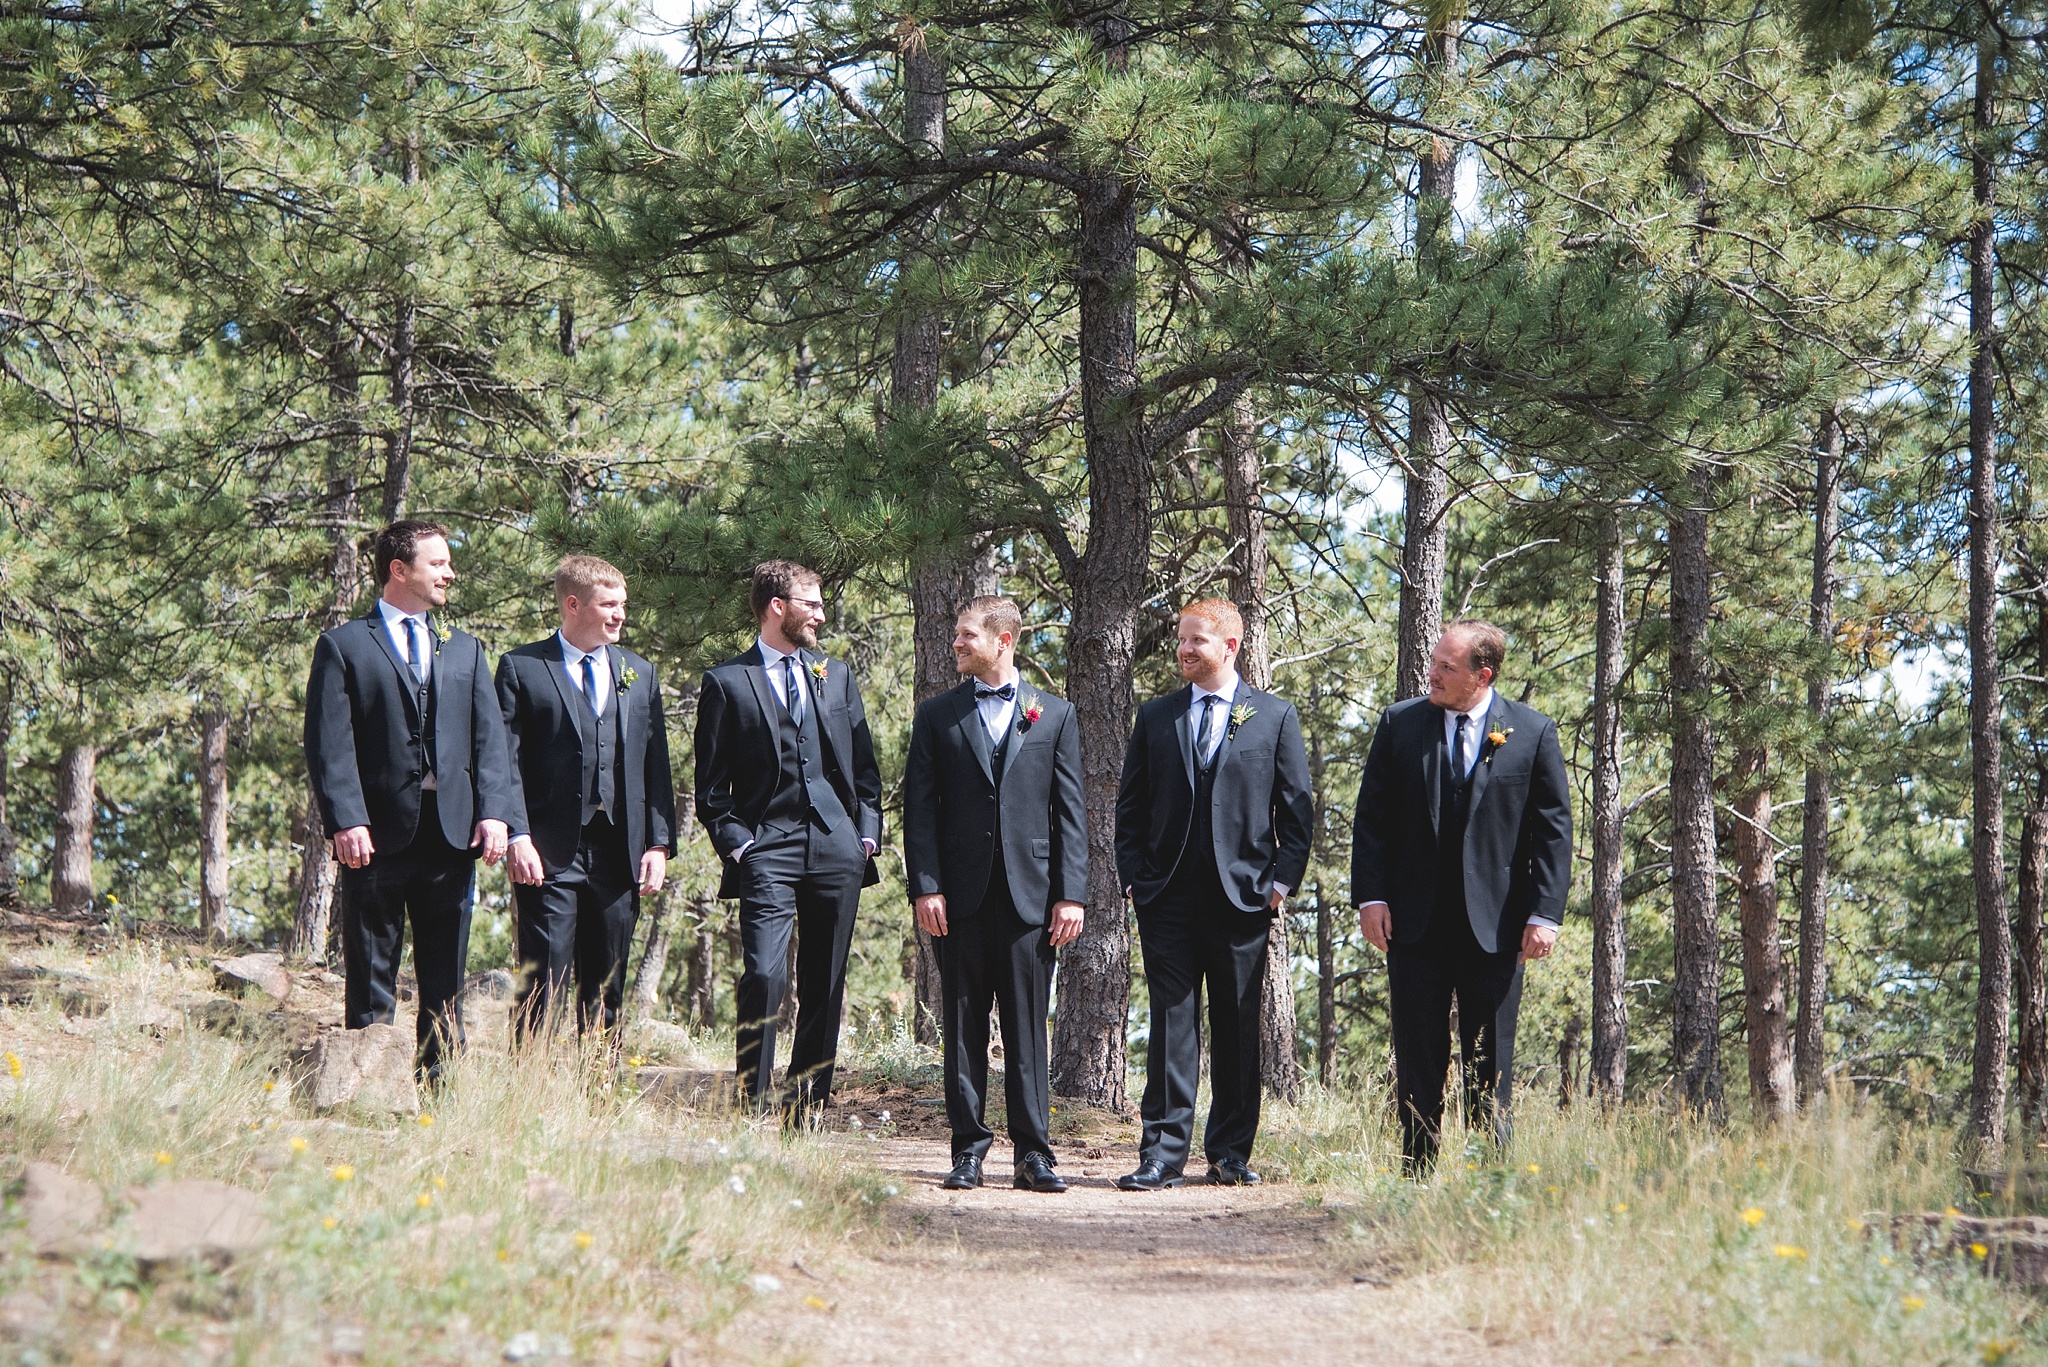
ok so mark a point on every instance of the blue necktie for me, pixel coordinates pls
(590, 684)
(1208, 722)
(792, 690)
(416, 649)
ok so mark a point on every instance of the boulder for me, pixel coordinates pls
(229, 1018)
(74, 993)
(369, 1069)
(696, 1088)
(662, 1040)
(2016, 1247)
(264, 972)
(177, 1221)
(61, 1210)
(493, 984)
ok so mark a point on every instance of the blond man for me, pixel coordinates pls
(597, 814)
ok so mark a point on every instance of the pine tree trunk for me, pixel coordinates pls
(1245, 518)
(404, 356)
(701, 1001)
(1810, 1045)
(1696, 1008)
(1987, 806)
(71, 860)
(10, 871)
(2030, 992)
(1090, 1035)
(645, 994)
(319, 887)
(1771, 1089)
(213, 821)
(1426, 515)
(1610, 936)
(1326, 992)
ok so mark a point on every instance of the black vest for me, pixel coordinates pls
(803, 789)
(604, 771)
(1196, 874)
(998, 889)
(1454, 806)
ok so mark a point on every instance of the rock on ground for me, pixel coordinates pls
(370, 1069)
(264, 972)
(62, 1211)
(179, 1220)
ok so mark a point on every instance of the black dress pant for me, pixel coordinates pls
(809, 880)
(430, 881)
(1192, 936)
(990, 957)
(1423, 978)
(579, 921)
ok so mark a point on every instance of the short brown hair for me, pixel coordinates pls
(400, 542)
(1219, 614)
(775, 579)
(577, 575)
(995, 614)
(1486, 644)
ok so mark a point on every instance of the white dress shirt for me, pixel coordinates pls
(1222, 709)
(398, 626)
(572, 660)
(778, 674)
(1475, 730)
(998, 713)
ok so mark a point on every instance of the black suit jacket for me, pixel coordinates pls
(540, 703)
(738, 759)
(949, 805)
(366, 737)
(1518, 828)
(1262, 813)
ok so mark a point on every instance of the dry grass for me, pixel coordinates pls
(1639, 1235)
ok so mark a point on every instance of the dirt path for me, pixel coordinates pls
(1102, 1278)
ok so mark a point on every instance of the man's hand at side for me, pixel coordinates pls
(931, 913)
(1537, 942)
(522, 864)
(1068, 918)
(1376, 923)
(653, 872)
(490, 837)
(352, 846)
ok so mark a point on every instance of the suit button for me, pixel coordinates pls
(989, 834)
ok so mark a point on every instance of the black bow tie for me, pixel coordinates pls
(1006, 692)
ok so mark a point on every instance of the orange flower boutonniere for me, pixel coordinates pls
(818, 670)
(1496, 739)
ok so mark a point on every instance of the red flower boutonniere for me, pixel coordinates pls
(1033, 710)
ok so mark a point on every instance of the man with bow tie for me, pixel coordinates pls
(597, 813)
(1214, 817)
(789, 792)
(995, 846)
(1461, 860)
(407, 753)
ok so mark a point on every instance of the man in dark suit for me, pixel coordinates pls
(996, 848)
(408, 758)
(788, 789)
(597, 817)
(1213, 823)
(1461, 860)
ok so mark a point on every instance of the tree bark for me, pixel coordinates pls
(1610, 936)
(318, 874)
(1810, 1045)
(1696, 1008)
(1090, 1035)
(2029, 990)
(645, 995)
(701, 1002)
(213, 820)
(1987, 805)
(10, 871)
(1326, 992)
(71, 860)
(1771, 1087)
(404, 355)
(1426, 515)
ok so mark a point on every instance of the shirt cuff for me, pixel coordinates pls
(867, 844)
(1546, 923)
(1282, 889)
(743, 849)
(519, 837)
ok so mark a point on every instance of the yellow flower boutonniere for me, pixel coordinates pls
(818, 668)
(440, 629)
(629, 678)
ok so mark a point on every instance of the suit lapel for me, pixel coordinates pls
(820, 713)
(1482, 768)
(558, 671)
(408, 684)
(1225, 746)
(1183, 728)
(613, 658)
(764, 696)
(970, 726)
(1432, 774)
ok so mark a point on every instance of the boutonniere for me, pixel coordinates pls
(629, 678)
(439, 628)
(1241, 714)
(1496, 739)
(818, 668)
(1033, 710)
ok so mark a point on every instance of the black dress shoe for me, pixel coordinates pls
(1232, 1172)
(966, 1174)
(1034, 1173)
(1152, 1175)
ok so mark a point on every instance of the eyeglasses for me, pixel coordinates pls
(812, 603)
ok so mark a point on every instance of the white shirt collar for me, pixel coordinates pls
(1227, 692)
(1477, 712)
(769, 654)
(392, 616)
(572, 655)
(1015, 680)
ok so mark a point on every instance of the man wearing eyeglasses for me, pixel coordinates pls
(788, 789)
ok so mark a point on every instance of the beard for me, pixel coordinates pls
(975, 662)
(805, 636)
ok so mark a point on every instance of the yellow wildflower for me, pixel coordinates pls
(13, 1064)
(341, 1172)
(1980, 1251)
(329, 1223)
(816, 1303)
(503, 1254)
(441, 1184)
(426, 1121)
(1789, 1251)
(1535, 1167)
(1950, 1211)
(1621, 1207)
(164, 1157)
(1912, 1303)
(270, 1086)
(635, 1061)
(1753, 1216)
(1996, 1350)
(1855, 1224)
(298, 1143)
(584, 1238)
(424, 1199)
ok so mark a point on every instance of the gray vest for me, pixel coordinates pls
(603, 751)
(804, 788)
